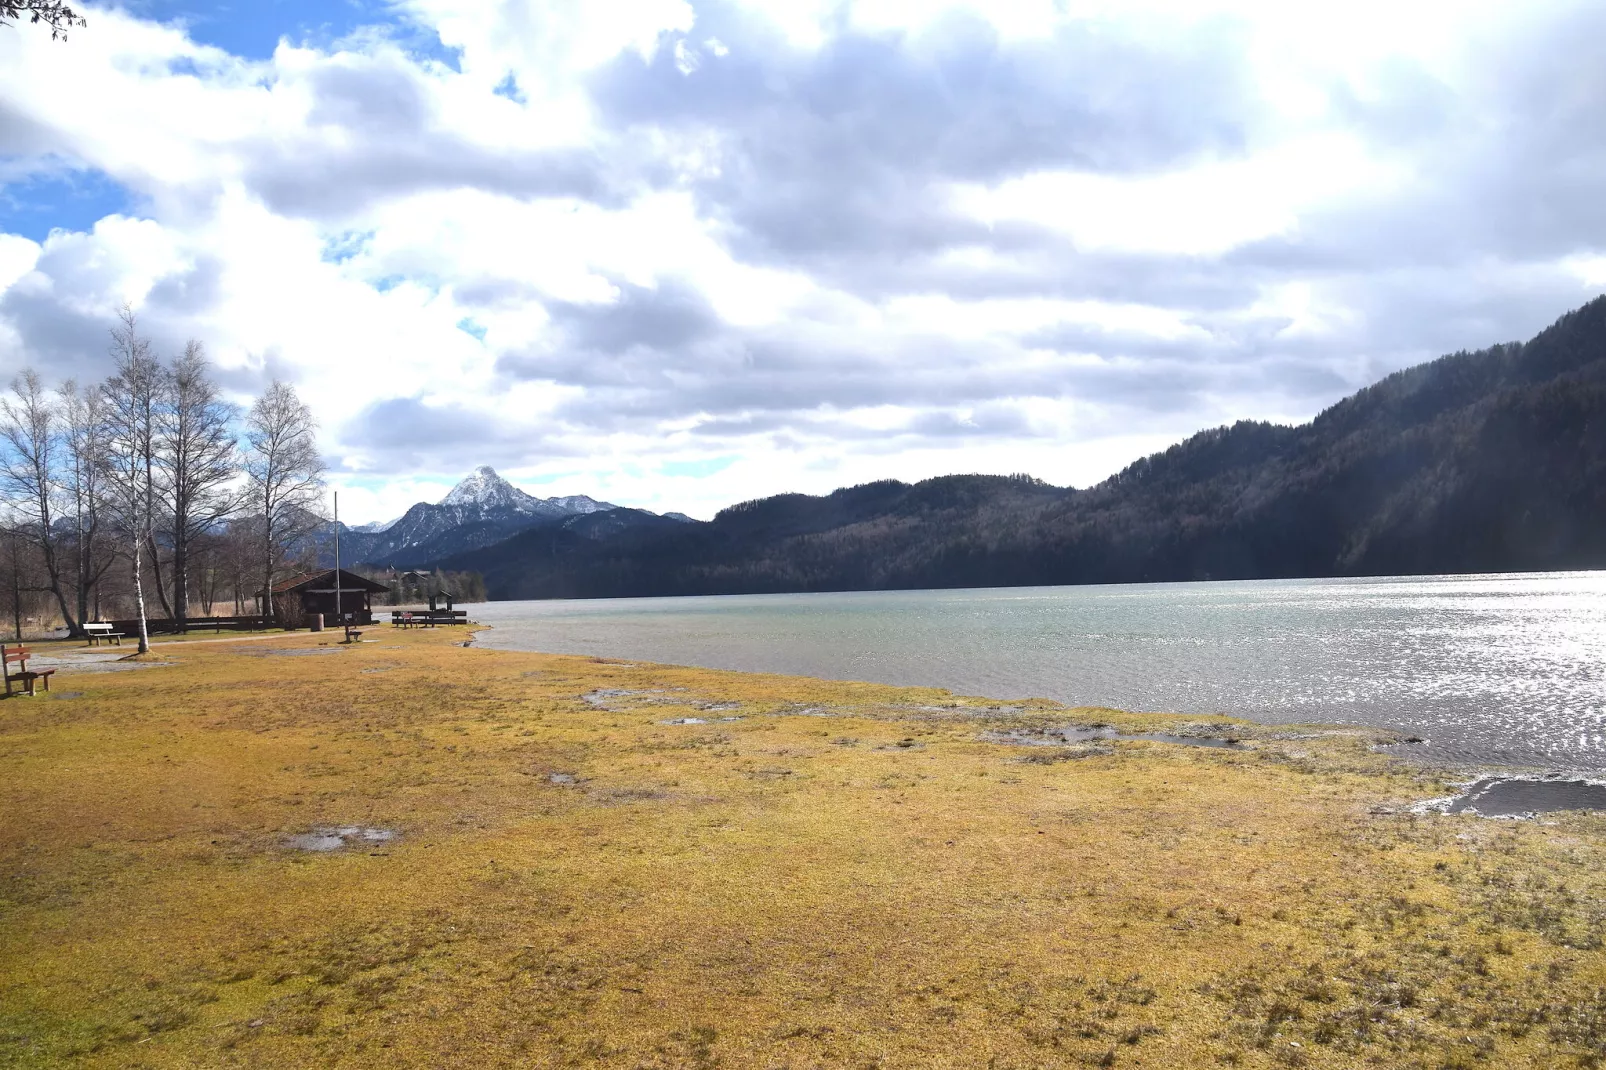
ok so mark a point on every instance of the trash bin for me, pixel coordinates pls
(317, 622)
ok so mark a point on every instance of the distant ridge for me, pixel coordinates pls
(482, 509)
(1488, 461)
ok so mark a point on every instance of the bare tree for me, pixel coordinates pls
(197, 463)
(284, 479)
(30, 452)
(237, 551)
(53, 13)
(81, 418)
(131, 398)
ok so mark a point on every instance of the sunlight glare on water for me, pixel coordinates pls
(1504, 669)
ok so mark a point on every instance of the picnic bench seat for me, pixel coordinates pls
(98, 632)
(426, 618)
(23, 675)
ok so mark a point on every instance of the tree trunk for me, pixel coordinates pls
(156, 574)
(139, 601)
(16, 590)
(74, 628)
(85, 565)
(267, 591)
(181, 586)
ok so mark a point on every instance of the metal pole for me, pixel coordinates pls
(338, 615)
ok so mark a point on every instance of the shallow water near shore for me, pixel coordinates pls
(1503, 670)
(1512, 797)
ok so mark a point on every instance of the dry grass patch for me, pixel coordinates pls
(844, 875)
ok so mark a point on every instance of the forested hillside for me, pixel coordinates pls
(1486, 461)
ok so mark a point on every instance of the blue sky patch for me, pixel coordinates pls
(509, 88)
(342, 247)
(70, 200)
(468, 326)
(252, 30)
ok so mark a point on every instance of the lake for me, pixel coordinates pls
(1504, 669)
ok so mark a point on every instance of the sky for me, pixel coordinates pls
(676, 254)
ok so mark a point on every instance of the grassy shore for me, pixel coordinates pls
(844, 875)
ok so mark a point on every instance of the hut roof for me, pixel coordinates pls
(324, 579)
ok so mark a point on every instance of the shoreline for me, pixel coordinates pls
(1467, 772)
(413, 853)
(1486, 669)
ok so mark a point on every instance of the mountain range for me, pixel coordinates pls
(480, 511)
(1478, 461)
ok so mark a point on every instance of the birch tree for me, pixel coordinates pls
(284, 478)
(81, 505)
(131, 398)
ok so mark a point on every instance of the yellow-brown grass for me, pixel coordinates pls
(845, 876)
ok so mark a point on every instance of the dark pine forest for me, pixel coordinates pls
(1477, 462)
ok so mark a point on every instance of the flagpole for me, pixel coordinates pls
(338, 615)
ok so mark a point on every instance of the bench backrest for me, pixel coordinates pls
(15, 653)
(94, 626)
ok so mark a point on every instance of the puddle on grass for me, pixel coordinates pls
(334, 839)
(604, 695)
(1186, 741)
(1067, 734)
(1512, 797)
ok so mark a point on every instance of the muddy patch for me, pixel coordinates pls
(627, 795)
(1068, 753)
(618, 698)
(324, 839)
(293, 652)
(1070, 735)
(1516, 797)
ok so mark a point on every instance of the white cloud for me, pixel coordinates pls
(836, 241)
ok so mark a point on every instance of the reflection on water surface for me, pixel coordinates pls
(1503, 669)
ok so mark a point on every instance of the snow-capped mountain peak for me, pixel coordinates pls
(482, 509)
(484, 489)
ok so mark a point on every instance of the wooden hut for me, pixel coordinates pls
(314, 592)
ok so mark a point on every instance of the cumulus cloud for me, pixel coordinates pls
(598, 244)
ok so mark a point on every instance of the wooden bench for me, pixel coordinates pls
(98, 632)
(23, 674)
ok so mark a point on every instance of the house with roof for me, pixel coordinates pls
(299, 597)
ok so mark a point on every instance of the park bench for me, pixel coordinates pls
(23, 675)
(98, 632)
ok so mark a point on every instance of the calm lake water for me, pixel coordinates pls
(1501, 669)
